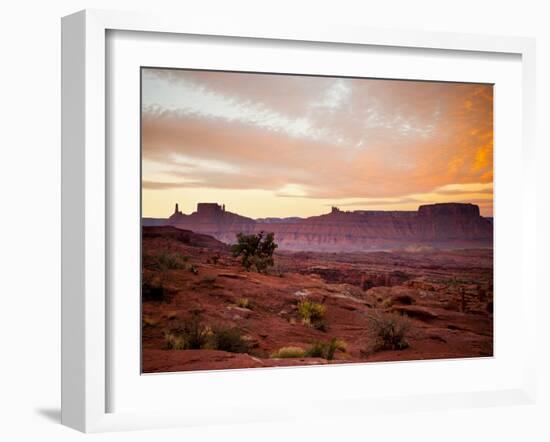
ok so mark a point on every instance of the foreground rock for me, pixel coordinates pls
(445, 295)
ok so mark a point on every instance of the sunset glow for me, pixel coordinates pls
(280, 145)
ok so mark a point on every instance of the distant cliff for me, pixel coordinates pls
(448, 225)
(213, 219)
(153, 222)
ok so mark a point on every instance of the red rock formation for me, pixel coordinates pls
(448, 222)
(213, 219)
(449, 225)
(184, 236)
(446, 295)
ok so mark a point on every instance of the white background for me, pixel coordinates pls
(30, 218)
(256, 390)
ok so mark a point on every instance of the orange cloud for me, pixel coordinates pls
(331, 138)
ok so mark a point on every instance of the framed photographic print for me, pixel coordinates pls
(337, 220)
(251, 212)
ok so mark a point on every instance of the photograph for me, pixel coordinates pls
(307, 220)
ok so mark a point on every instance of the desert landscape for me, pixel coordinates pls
(307, 220)
(203, 310)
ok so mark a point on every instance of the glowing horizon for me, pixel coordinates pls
(270, 145)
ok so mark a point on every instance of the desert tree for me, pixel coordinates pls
(256, 250)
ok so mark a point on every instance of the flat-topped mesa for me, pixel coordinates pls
(449, 209)
(212, 219)
(441, 225)
(210, 209)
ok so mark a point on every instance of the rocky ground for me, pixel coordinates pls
(439, 302)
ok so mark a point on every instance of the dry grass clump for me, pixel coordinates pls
(194, 334)
(312, 313)
(175, 341)
(326, 350)
(165, 260)
(388, 331)
(148, 321)
(190, 334)
(387, 303)
(289, 352)
(243, 303)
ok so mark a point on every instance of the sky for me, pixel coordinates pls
(271, 145)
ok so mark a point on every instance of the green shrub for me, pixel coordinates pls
(289, 352)
(229, 339)
(311, 312)
(255, 250)
(327, 349)
(153, 291)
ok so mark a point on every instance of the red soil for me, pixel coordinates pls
(446, 295)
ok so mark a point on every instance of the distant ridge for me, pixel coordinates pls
(442, 225)
(153, 222)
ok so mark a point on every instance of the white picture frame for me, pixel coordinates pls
(85, 211)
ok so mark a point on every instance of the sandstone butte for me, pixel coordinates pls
(444, 225)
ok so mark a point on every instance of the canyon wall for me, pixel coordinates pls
(448, 225)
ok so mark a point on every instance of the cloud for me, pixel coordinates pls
(463, 192)
(331, 138)
(154, 185)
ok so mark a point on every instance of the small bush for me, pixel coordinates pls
(196, 333)
(289, 352)
(153, 291)
(192, 332)
(229, 339)
(316, 350)
(320, 325)
(389, 331)
(243, 303)
(311, 312)
(148, 321)
(326, 350)
(175, 341)
(387, 303)
(170, 261)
